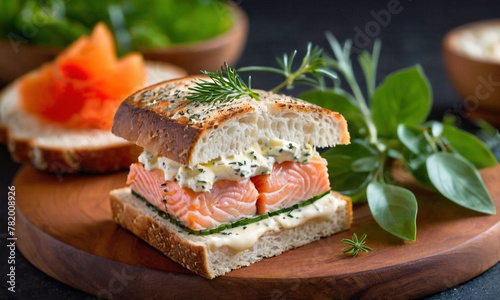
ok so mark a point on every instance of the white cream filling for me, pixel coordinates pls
(257, 160)
(243, 237)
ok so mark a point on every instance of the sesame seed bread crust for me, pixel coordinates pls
(196, 254)
(62, 150)
(160, 119)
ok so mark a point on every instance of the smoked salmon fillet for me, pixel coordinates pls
(229, 201)
(291, 182)
(82, 88)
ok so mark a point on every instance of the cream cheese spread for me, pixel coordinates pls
(257, 160)
(243, 237)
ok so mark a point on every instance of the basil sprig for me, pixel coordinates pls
(387, 123)
(446, 158)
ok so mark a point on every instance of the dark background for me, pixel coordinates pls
(412, 36)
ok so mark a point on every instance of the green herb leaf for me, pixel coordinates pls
(469, 146)
(369, 65)
(416, 165)
(458, 180)
(346, 176)
(394, 208)
(403, 98)
(365, 164)
(416, 152)
(413, 138)
(224, 85)
(356, 245)
(312, 64)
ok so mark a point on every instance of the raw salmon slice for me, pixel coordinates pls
(85, 85)
(227, 201)
(88, 57)
(290, 183)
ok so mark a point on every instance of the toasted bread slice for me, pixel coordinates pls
(62, 150)
(162, 120)
(218, 253)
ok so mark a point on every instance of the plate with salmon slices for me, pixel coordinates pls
(58, 117)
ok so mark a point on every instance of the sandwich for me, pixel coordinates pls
(58, 117)
(221, 185)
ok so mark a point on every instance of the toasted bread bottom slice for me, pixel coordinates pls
(216, 254)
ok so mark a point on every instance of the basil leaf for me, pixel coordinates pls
(365, 164)
(344, 170)
(458, 180)
(415, 164)
(470, 147)
(413, 139)
(403, 98)
(394, 208)
(416, 152)
(339, 102)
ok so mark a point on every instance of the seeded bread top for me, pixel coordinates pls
(162, 120)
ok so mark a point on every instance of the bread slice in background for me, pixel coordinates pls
(62, 150)
(200, 254)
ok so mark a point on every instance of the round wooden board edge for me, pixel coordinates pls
(111, 279)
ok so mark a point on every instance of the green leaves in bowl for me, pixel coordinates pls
(136, 24)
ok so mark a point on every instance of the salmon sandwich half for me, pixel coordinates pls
(222, 184)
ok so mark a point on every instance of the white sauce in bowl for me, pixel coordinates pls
(481, 43)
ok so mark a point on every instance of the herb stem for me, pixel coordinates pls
(442, 145)
(224, 85)
(379, 173)
(285, 83)
(431, 142)
(312, 64)
(343, 64)
(365, 111)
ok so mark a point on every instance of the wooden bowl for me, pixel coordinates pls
(19, 58)
(477, 80)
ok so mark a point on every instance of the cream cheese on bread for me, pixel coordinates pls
(257, 160)
(243, 237)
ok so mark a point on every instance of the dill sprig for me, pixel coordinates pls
(225, 84)
(312, 64)
(356, 245)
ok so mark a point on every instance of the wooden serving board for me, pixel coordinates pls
(65, 229)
